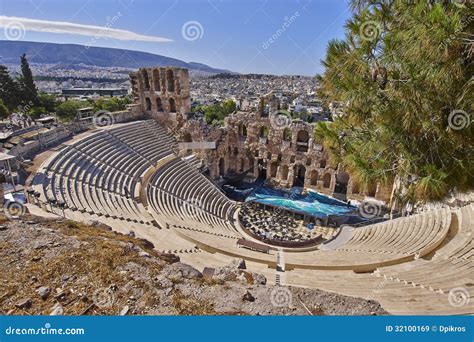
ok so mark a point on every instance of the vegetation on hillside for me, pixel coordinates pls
(21, 95)
(216, 113)
(67, 110)
(404, 73)
(112, 104)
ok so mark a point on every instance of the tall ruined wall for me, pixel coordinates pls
(163, 94)
(266, 143)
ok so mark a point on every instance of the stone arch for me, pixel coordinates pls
(342, 180)
(322, 163)
(170, 80)
(327, 180)
(146, 80)
(242, 164)
(187, 137)
(172, 103)
(156, 80)
(236, 151)
(314, 178)
(244, 130)
(147, 103)
(263, 132)
(299, 173)
(221, 167)
(284, 172)
(273, 169)
(252, 164)
(287, 134)
(302, 139)
(159, 105)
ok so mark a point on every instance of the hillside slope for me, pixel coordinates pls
(50, 53)
(62, 267)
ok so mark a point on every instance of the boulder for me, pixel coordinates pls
(43, 292)
(259, 279)
(163, 282)
(24, 303)
(248, 297)
(169, 257)
(238, 263)
(57, 310)
(179, 271)
(226, 273)
(124, 310)
(146, 244)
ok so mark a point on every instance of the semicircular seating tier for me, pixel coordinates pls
(377, 245)
(188, 201)
(438, 283)
(128, 177)
(101, 174)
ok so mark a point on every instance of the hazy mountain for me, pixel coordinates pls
(72, 54)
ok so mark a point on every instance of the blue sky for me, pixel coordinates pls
(235, 34)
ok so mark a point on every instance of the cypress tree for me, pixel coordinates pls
(28, 84)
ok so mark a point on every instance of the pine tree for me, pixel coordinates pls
(404, 72)
(27, 82)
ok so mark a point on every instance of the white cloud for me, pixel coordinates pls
(105, 31)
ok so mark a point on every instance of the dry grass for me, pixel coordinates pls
(91, 266)
(191, 306)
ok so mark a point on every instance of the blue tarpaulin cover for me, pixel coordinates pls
(311, 203)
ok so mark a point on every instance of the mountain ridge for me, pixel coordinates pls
(54, 53)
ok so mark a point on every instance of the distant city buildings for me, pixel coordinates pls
(94, 92)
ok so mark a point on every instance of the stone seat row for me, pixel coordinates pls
(405, 235)
(101, 174)
(179, 192)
